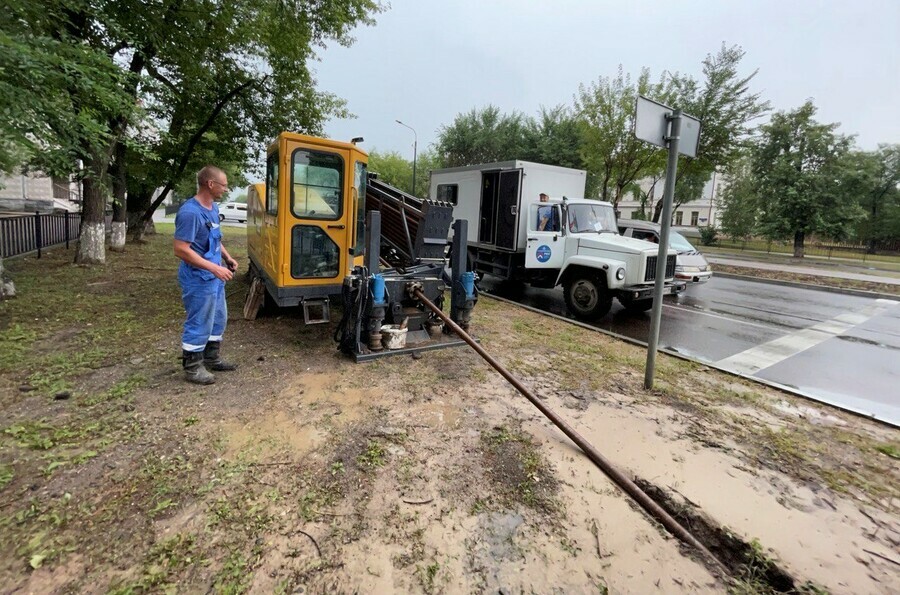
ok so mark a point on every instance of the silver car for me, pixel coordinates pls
(690, 264)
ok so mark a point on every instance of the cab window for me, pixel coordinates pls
(272, 185)
(546, 218)
(360, 177)
(316, 185)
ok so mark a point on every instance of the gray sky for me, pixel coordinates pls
(427, 60)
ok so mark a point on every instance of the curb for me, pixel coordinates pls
(799, 285)
(781, 387)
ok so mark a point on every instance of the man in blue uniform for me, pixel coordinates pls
(198, 243)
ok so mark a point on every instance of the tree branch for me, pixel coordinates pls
(192, 143)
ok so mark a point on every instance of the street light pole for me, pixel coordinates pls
(415, 151)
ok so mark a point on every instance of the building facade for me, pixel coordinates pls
(698, 213)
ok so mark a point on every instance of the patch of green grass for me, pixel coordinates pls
(235, 576)
(119, 391)
(6, 476)
(314, 500)
(517, 467)
(427, 575)
(56, 372)
(478, 506)
(160, 566)
(15, 342)
(373, 457)
(891, 450)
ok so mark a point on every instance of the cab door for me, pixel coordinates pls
(545, 245)
(270, 238)
(319, 218)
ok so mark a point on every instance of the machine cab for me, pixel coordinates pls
(306, 229)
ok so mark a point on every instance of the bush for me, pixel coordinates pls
(708, 235)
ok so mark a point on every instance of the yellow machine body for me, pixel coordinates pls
(305, 224)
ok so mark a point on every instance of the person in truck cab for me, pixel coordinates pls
(547, 218)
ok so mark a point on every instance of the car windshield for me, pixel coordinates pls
(679, 242)
(597, 218)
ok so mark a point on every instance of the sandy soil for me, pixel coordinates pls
(304, 472)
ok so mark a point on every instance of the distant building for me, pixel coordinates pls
(697, 213)
(27, 193)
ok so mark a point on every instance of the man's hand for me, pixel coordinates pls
(231, 263)
(222, 273)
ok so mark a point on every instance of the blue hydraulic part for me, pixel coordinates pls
(378, 289)
(468, 282)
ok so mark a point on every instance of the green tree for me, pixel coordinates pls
(219, 77)
(611, 153)
(726, 107)
(554, 138)
(739, 203)
(392, 168)
(482, 136)
(797, 167)
(873, 178)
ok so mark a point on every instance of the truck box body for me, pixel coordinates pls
(568, 240)
(494, 197)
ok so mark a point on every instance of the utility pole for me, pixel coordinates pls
(663, 126)
(415, 151)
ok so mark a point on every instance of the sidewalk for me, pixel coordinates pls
(784, 264)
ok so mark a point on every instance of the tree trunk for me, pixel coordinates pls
(798, 244)
(120, 211)
(7, 288)
(92, 244)
(138, 202)
(872, 220)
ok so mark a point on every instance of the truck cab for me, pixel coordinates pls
(575, 243)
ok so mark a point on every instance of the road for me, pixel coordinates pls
(842, 350)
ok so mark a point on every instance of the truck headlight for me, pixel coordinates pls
(620, 274)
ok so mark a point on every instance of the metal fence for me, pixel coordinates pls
(884, 249)
(21, 234)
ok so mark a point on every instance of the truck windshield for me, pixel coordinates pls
(679, 242)
(591, 219)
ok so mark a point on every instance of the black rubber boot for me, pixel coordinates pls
(194, 370)
(212, 360)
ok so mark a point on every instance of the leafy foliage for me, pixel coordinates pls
(392, 168)
(612, 154)
(797, 171)
(738, 202)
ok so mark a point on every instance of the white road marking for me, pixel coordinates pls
(768, 354)
(767, 327)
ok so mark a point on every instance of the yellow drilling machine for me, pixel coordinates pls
(322, 227)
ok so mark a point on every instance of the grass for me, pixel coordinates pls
(811, 249)
(515, 465)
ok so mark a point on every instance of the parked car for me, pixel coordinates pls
(233, 211)
(690, 265)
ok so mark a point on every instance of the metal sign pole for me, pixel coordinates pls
(656, 315)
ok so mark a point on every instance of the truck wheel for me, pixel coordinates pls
(587, 298)
(636, 306)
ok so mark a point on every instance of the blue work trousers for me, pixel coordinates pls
(207, 312)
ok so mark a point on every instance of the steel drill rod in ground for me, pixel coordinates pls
(627, 485)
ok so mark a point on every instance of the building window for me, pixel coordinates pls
(447, 193)
(678, 217)
(694, 216)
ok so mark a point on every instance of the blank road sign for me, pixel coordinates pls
(651, 125)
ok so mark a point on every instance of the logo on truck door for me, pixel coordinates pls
(543, 253)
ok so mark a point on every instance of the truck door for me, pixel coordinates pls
(545, 248)
(508, 209)
(499, 223)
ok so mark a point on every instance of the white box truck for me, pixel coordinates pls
(567, 240)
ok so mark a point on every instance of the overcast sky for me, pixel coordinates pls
(425, 61)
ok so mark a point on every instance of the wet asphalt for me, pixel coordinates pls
(839, 349)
